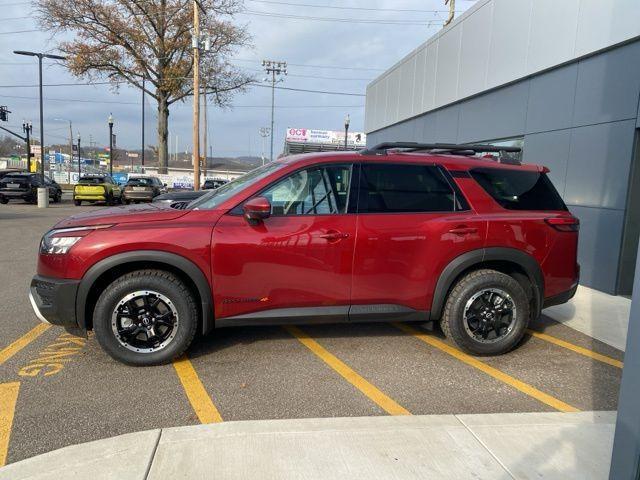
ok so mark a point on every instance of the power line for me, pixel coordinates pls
(336, 7)
(333, 67)
(61, 84)
(416, 23)
(12, 18)
(349, 94)
(137, 103)
(19, 31)
(318, 77)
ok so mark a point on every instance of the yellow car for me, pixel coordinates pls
(97, 188)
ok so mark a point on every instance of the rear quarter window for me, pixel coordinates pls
(519, 189)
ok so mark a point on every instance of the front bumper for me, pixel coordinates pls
(54, 300)
(20, 194)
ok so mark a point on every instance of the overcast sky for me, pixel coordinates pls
(303, 43)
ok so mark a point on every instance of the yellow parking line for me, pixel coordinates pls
(8, 399)
(196, 393)
(371, 391)
(493, 372)
(22, 342)
(575, 348)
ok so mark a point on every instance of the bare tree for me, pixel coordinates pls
(128, 40)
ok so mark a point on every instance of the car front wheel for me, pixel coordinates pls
(146, 317)
(486, 313)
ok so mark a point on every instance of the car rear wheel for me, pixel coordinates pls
(486, 313)
(4, 200)
(77, 203)
(146, 317)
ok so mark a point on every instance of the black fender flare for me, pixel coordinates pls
(475, 257)
(183, 264)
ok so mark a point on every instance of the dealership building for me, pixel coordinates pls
(561, 79)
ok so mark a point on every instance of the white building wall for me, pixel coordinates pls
(493, 43)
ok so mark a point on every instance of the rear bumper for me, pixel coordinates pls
(142, 196)
(54, 300)
(95, 198)
(561, 298)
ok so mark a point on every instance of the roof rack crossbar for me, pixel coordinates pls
(381, 148)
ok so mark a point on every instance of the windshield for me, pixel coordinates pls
(15, 179)
(140, 181)
(92, 180)
(215, 197)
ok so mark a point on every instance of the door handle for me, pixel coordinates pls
(333, 235)
(463, 230)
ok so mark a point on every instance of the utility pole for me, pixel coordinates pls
(204, 114)
(27, 128)
(275, 68)
(195, 44)
(264, 133)
(142, 153)
(452, 11)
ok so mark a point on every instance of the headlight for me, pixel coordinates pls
(60, 241)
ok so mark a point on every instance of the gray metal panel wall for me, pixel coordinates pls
(580, 121)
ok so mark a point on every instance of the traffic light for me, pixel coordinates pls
(4, 114)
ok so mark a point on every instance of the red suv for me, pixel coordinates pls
(402, 231)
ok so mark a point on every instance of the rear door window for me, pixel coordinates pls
(519, 189)
(398, 188)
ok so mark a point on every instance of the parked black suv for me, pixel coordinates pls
(213, 184)
(25, 186)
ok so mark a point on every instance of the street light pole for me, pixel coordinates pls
(40, 57)
(347, 120)
(110, 145)
(264, 133)
(79, 159)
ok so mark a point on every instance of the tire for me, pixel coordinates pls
(178, 302)
(57, 197)
(110, 201)
(77, 203)
(4, 200)
(467, 332)
(127, 202)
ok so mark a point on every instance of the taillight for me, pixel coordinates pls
(564, 224)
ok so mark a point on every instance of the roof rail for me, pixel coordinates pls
(381, 148)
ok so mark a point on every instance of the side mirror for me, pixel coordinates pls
(256, 210)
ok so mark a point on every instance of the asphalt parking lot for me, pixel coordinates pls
(57, 390)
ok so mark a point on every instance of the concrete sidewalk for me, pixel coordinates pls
(496, 446)
(597, 314)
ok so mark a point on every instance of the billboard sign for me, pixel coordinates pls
(325, 137)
